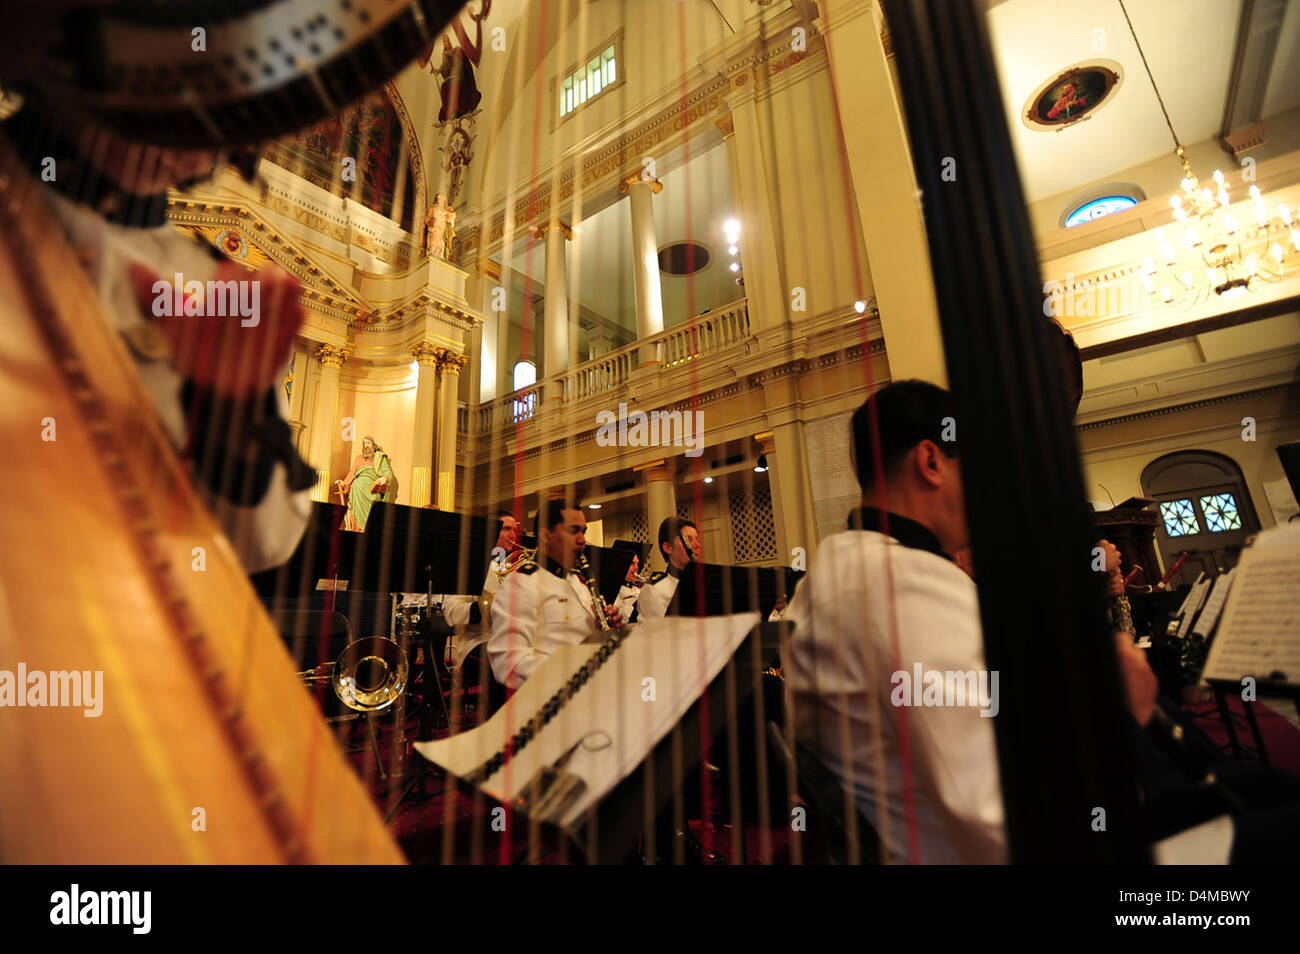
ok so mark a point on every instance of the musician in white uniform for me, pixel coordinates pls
(545, 605)
(464, 612)
(679, 542)
(882, 598)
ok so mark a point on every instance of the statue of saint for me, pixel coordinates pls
(370, 479)
(436, 226)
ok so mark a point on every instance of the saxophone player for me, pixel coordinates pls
(546, 603)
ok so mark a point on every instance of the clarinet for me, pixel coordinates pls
(602, 609)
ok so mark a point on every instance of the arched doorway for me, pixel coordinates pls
(1204, 508)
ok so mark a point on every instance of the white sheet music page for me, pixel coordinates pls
(641, 692)
(1260, 630)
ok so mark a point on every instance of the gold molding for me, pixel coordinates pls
(539, 232)
(488, 267)
(449, 362)
(766, 442)
(635, 178)
(427, 355)
(331, 356)
(727, 125)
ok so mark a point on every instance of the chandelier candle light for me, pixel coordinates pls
(1225, 256)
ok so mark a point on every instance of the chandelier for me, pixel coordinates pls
(1212, 250)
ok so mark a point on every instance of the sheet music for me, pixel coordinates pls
(681, 655)
(1195, 596)
(1204, 625)
(1260, 630)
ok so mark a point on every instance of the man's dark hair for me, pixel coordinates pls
(904, 413)
(553, 515)
(670, 528)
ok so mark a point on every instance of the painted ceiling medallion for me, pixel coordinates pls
(1073, 95)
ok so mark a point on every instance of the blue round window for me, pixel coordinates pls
(1098, 208)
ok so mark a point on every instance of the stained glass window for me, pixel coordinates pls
(1107, 205)
(1180, 517)
(1220, 513)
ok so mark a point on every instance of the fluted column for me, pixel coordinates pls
(427, 357)
(556, 348)
(660, 497)
(753, 193)
(322, 436)
(645, 261)
(449, 368)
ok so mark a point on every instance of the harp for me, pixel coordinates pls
(207, 748)
(204, 748)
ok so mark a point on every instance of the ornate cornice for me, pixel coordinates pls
(1185, 406)
(727, 125)
(612, 159)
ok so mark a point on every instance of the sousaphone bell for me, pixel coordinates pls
(370, 674)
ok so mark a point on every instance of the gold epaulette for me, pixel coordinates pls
(657, 576)
(527, 567)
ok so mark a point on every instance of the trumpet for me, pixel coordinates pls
(602, 608)
(642, 577)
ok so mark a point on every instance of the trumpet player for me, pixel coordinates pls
(679, 542)
(547, 603)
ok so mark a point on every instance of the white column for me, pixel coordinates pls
(426, 397)
(660, 497)
(884, 185)
(449, 368)
(322, 436)
(556, 348)
(645, 264)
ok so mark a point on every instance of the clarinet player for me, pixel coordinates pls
(548, 603)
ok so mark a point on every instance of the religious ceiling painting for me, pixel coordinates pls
(1073, 95)
(369, 134)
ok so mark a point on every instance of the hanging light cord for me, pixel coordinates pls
(1156, 89)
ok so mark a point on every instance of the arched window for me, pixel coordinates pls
(1204, 508)
(1098, 203)
(525, 376)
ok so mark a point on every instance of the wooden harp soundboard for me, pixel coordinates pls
(208, 747)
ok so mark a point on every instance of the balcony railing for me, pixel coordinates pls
(708, 334)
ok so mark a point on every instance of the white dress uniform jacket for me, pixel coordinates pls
(656, 595)
(864, 587)
(536, 611)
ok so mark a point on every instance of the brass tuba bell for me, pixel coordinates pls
(370, 674)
